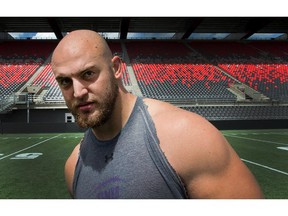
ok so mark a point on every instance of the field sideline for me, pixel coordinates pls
(32, 164)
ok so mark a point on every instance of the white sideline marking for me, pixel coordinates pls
(29, 147)
(26, 156)
(270, 168)
(283, 148)
(256, 139)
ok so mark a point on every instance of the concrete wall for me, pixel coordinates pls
(250, 124)
(39, 128)
(53, 121)
(40, 121)
(35, 116)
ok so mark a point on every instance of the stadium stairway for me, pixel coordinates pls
(134, 85)
(8, 104)
(247, 91)
(239, 89)
(38, 95)
(30, 81)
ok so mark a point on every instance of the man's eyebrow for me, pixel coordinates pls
(87, 69)
(58, 78)
(79, 73)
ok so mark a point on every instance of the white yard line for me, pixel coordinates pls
(258, 140)
(257, 164)
(29, 147)
(270, 168)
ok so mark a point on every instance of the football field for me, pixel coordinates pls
(32, 164)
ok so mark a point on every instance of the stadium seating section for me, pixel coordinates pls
(171, 71)
(261, 65)
(19, 60)
(167, 70)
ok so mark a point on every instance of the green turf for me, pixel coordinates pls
(260, 146)
(43, 177)
(39, 178)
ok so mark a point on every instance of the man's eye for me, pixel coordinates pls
(64, 82)
(87, 74)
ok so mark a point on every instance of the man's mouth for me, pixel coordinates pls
(85, 107)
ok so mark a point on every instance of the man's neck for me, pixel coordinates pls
(121, 113)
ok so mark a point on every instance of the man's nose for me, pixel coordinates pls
(79, 89)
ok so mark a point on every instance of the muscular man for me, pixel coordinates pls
(138, 147)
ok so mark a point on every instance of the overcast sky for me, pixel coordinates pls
(51, 35)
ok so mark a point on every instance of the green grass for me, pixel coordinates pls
(260, 147)
(40, 178)
(43, 177)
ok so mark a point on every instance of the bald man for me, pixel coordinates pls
(134, 147)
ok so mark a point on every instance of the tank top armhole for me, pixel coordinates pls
(170, 176)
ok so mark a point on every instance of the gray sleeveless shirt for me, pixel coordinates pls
(130, 166)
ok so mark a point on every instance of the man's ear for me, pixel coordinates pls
(117, 67)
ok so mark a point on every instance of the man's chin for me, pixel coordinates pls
(89, 120)
(84, 123)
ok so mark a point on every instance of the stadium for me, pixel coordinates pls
(238, 83)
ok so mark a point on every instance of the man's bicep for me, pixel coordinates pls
(225, 181)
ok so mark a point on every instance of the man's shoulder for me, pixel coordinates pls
(187, 127)
(157, 107)
(176, 125)
(186, 137)
(165, 114)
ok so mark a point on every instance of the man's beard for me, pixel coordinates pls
(105, 109)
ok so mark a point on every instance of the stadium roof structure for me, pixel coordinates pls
(236, 28)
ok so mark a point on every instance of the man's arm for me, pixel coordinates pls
(200, 154)
(220, 173)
